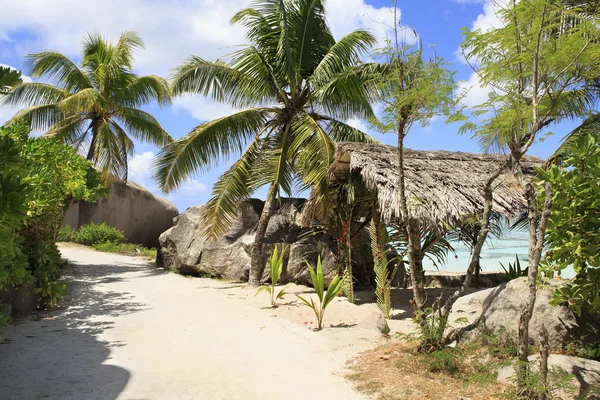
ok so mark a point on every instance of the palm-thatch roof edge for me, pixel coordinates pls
(442, 186)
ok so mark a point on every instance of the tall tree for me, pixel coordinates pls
(412, 90)
(8, 79)
(539, 65)
(295, 85)
(95, 104)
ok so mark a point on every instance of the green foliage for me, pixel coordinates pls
(46, 259)
(38, 180)
(514, 271)
(383, 280)
(276, 268)
(66, 234)
(573, 236)
(447, 360)
(325, 296)
(9, 78)
(95, 103)
(295, 86)
(94, 234)
(538, 66)
(128, 249)
(411, 88)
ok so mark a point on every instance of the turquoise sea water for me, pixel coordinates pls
(495, 251)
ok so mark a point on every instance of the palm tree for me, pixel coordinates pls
(94, 104)
(295, 85)
(8, 79)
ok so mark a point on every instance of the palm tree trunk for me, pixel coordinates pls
(415, 265)
(256, 259)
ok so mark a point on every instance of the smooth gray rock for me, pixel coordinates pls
(586, 375)
(501, 308)
(183, 248)
(19, 300)
(130, 208)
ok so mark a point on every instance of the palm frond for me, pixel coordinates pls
(144, 90)
(143, 126)
(235, 185)
(345, 53)
(58, 68)
(207, 144)
(35, 94)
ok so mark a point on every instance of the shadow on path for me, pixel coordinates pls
(60, 356)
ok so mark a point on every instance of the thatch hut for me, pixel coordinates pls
(442, 186)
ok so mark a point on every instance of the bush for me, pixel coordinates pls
(445, 360)
(128, 249)
(93, 234)
(39, 178)
(66, 234)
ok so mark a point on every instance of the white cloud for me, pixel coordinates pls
(201, 108)
(171, 32)
(140, 172)
(472, 90)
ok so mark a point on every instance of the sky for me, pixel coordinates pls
(174, 29)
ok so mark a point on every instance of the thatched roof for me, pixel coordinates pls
(441, 186)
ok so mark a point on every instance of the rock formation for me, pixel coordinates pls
(129, 207)
(499, 309)
(183, 248)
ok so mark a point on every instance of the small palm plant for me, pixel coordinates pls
(325, 296)
(514, 271)
(276, 266)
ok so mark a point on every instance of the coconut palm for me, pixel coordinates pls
(96, 104)
(295, 85)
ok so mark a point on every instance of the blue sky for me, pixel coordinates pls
(173, 30)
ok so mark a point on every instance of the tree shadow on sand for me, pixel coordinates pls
(58, 356)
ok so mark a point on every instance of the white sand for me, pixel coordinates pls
(131, 331)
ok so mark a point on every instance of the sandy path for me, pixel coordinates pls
(134, 332)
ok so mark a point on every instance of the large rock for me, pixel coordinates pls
(184, 249)
(129, 207)
(500, 309)
(585, 382)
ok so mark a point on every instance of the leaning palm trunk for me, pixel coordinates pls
(256, 259)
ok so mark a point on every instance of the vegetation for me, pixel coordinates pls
(514, 270)
(8, 79)
(38, 180)
(93, 234)
(105, 238)
(325, 296)
(549, 54)
(128, 249)
(412, 90)
(573, 237)
(312, 84)
(95, 105)
(276, 268)
(383, 280)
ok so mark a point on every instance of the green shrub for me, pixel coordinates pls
(446, 360)
(128, 249)
(44, 259)
(66, 234)
(39, 178)
(93, 234)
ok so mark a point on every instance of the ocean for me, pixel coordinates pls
(495, 251)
